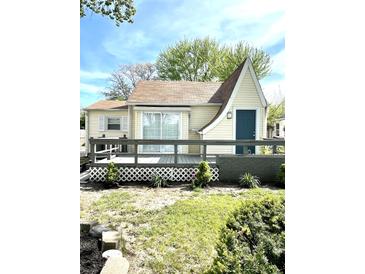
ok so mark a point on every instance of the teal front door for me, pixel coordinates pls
(245, 129)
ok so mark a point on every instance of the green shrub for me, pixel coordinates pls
(112, 175)
(266, 150)
(203, 176)
(281, 176)
(253, 240)
(249, 181)
(158, 181)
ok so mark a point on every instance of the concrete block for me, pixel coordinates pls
(266, 167)
(115, 265)
(110, 240)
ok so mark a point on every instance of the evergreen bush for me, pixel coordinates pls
(253, 240)
(203, 176)
(112, 175)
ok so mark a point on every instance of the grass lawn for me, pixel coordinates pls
(177, 238)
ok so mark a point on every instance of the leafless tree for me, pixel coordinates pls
(123, 80)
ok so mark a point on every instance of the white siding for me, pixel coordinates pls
(247, 97)
(199, 117)
(94, 121)
(185, 130)
(223, 131)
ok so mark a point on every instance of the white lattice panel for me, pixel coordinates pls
(143, 174)
(97, 174)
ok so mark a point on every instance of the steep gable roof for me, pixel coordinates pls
(228, 91)
(225, 92)
(108, 105)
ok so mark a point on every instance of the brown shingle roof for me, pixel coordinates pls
(108, 104)
(175, 93)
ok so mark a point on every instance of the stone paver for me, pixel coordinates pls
(97, 230)
(112, 253)
(116, 265)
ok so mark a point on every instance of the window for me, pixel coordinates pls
(160, 125)
(113, 123)
(277, 133)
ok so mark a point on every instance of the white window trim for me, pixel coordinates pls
(101, 118)
(106, 123)
(126, 124)
(164, 109)
(141, 128)
(257, 126)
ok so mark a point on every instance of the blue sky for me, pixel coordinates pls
(160, 23)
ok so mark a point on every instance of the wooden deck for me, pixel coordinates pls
(113, 151)
(163, 159)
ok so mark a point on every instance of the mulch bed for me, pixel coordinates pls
(91, 261)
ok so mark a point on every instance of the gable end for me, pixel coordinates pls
(247, 66)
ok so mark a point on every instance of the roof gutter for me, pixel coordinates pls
(171, 104)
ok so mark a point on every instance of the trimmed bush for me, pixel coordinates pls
(112, 176)
(158, 181)
(248, 180)
(253, 240)
(203, 176)
(281, 176)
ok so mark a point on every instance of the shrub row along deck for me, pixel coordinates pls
(134, 165)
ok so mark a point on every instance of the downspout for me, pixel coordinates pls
(264, 135)
(87, 132)
(129, 122)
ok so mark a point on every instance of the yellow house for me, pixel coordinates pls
(229, 110)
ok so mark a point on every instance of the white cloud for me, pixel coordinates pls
(89, 88)
(274, 32)
(254, 9)
(94, 74)
(137, 43)
(278, 65)
(274, 91)
(260, 22)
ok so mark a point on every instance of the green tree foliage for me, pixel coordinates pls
(276, 111)
(203, 176)
(233, 56)
(206, 60)
(117, 10)
(191, 60)
(123, 80)
(253, 241)
(82, 120)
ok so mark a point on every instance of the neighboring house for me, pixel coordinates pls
(233, 109)
(82, 143)
(82, 137)
(278, 130)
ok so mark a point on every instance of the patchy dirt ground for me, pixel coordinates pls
(142, 199)
(152, 198)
